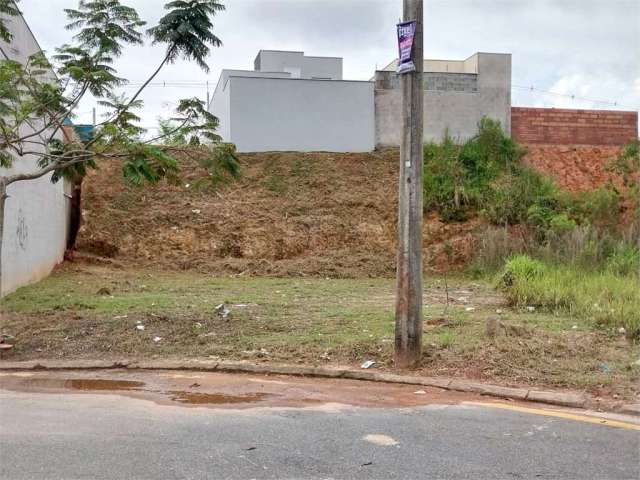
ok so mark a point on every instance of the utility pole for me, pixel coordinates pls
(408, 334)
(94, 116)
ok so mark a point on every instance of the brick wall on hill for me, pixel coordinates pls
(573, 127)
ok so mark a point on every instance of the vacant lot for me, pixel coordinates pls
(88, 311)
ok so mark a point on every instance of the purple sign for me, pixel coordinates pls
(406, 32)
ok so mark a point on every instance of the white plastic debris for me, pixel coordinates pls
(463, 299)
(118, 317)
(499, 311)
(157, 339)
(469, 309)
(140, 327)
(575, 327)
(382, 440)
(187, 185)
(368, 364)
(195, 210)
(420, 392)
(531, 309)
(223, 311)
(622, 330)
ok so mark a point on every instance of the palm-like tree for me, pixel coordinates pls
(8, 8)
(105, 25)
(187, 30)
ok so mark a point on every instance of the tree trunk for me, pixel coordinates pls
(3, 199)
(75, 214)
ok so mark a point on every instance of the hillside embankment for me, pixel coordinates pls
(291, 214)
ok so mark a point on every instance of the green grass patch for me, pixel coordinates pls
(604, 299)
(312, 321)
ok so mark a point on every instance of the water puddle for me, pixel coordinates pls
(229, 391)
(197, 398)
(85, 384)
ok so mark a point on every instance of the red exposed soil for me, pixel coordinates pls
(576, 167)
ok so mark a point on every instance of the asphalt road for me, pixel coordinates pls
(62, 433)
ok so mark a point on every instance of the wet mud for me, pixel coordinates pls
(220, 390)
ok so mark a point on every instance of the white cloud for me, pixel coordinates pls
(584, 90)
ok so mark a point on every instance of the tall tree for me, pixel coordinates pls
(39, 96)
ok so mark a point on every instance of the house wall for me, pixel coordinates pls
(35, 223)
(271, 114)
(219, 105)
(573, 127)
(453, 102)
(309, 67)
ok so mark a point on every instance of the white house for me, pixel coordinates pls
(291, 101)
(294, 102)
(35, 223)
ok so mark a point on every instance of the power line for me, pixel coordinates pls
(574, 97)
(184, 84)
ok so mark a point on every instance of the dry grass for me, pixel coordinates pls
(312, 321)
(291, 214)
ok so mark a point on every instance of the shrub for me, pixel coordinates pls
(458, 178)
(561, 224)
(602, 299)
(513, 194)
(444, 185)
(521, 268)
(624, 261)
(598, 207)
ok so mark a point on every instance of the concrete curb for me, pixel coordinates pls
(563, 399)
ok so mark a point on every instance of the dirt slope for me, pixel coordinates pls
(291, 214)
(574, 167)
(319, 214)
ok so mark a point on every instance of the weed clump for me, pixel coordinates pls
(605, 299)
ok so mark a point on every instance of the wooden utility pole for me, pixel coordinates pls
(408, 338)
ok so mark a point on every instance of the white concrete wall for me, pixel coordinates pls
(35, 223)
(308, 66)
(219, 105)
(322, 68)
(494, 86)
(270, 114)
(457, 112)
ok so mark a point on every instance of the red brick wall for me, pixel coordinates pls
(573, 127)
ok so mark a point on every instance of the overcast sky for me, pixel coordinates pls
(586, 48)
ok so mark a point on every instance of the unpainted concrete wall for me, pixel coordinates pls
(35, 223)
(453, 102)
(271, 114)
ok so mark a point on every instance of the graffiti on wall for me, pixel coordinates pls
(22, 231)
